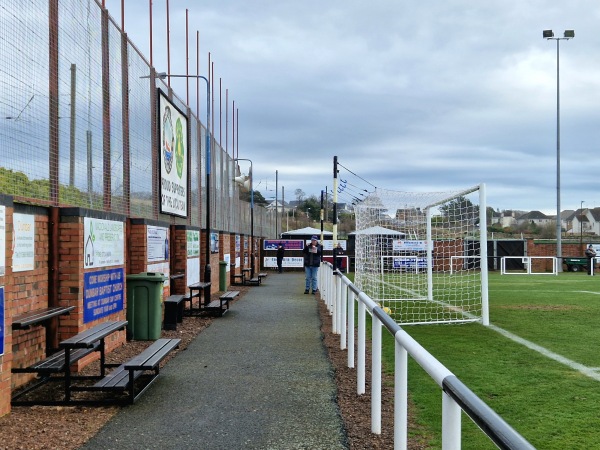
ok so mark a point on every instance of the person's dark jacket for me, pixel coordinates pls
(312, 259)
(280, 253)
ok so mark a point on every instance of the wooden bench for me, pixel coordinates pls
(38, 316)
(173, 311)
(262, 275)
(72, 350)
(55, 363)
(221, 306)
(239, 279)
(123, 378)
(197, 290)
(253, 281)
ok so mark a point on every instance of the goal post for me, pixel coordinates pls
(424, 255)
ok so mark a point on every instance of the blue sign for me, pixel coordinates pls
(410, 263)
(2, 320)
(288, 244)
(103, 294)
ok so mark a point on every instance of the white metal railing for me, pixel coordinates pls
(340, 294)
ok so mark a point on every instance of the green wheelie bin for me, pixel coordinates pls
(144, 305)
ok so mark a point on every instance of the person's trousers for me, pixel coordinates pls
(311, 277)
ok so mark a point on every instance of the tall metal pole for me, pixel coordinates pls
(335, 199)
(276, 204)
(581, 224)
(558, 218)
(549, 35)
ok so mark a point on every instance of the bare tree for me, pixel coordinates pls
(299, 193)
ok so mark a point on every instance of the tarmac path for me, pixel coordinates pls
(257, 378)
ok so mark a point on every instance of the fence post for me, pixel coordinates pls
(351, 329)
(400, 397)
(362, 333)
(451, 425)
(376, 376)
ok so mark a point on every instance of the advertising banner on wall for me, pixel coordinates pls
(103, 293)
(193, 243)
(157, 243)
(288, 244)
(294, 261)
(2, 332)
(23, 242)
(173, 155)
(103, 243)
(399, 245)
(2, 240)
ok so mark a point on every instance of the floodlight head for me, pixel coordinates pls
(547, 34)
(569, 34)
(243, 181)
(161, 75)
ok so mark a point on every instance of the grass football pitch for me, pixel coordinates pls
(554, 405)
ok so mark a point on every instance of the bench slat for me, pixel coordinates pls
(153, 355)
(55, 363)
(89, 337)
(37, 316)
(174, 299)
(149, 359)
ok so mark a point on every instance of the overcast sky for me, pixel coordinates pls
(411, 96)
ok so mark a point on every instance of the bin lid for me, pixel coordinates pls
(223, 263)
(151, 276)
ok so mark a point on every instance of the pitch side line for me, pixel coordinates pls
(587, 371)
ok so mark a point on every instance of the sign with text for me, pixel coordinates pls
(23, 242)
(214, 242)
(2, 328)
(409, 246)
(193, 243)
(288, 261)
(410, 263)
(103, 293)
(104, 243)
(288, 244)
(2, 240)
(157, 243)
(173, 155)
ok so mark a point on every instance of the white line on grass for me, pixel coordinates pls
(587, 371)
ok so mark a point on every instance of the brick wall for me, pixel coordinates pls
(30, 292)
(6, 359)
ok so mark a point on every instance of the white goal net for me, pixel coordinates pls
(420, 254)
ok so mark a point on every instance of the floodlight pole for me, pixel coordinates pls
(581, 223)
(549, 35)
(207, 269)
(251, 216)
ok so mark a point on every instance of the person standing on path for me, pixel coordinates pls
(313, 254)
(590, 253)
(338, 252)
(280, 253)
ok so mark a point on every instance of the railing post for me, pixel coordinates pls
(376, 376)
(343, 313)
(451, 425)
(335, 297)
(362, 343)
(350, 328)
(400, 398)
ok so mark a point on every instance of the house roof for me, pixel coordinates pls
(533, 215)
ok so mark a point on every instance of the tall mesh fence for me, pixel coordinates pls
(77, 121)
